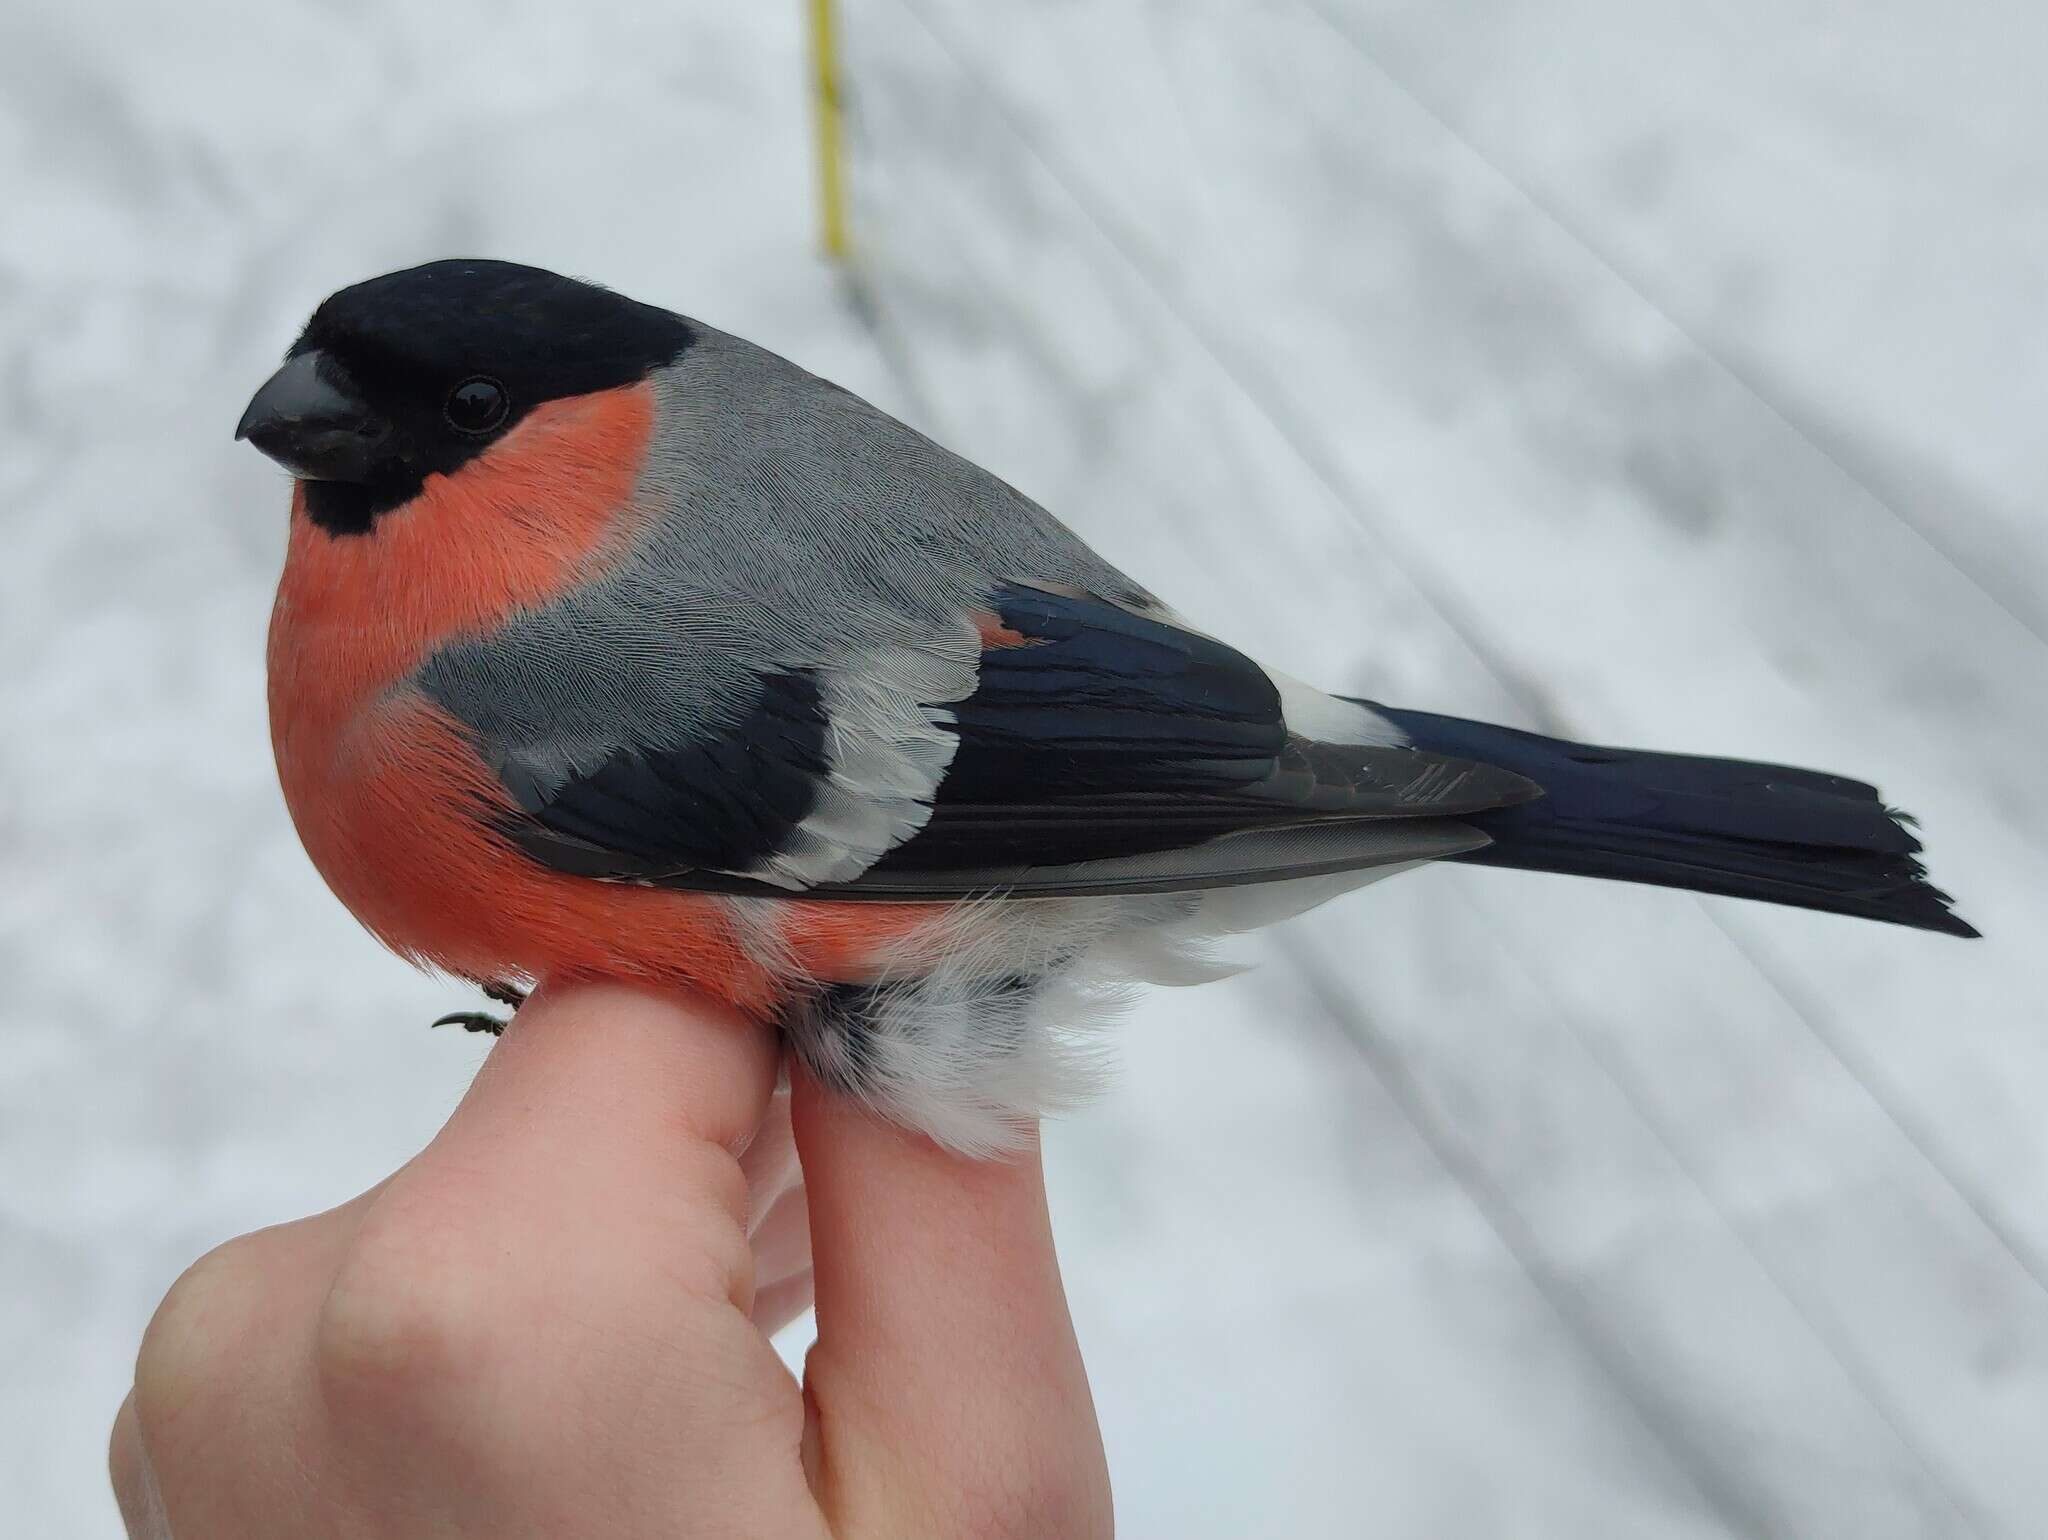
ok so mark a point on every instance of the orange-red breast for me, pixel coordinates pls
(610, 644)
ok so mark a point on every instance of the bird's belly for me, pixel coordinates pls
(396, 812)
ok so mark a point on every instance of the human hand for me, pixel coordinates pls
(545, 1324)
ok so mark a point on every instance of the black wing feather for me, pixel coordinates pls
(1098, 736)
(718, 804)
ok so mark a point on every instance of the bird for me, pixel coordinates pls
(609, 644)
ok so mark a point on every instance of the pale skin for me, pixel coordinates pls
(553, 1322)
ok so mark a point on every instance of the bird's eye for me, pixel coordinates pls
(477, 405)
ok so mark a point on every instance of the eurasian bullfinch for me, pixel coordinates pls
(610, 644)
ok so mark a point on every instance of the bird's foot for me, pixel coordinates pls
(473, 1021)
(484, 1021)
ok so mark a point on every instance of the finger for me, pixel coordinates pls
(946, 1372)
(135, 1492)
(621, 1063)
(782, 1262)
(770, 1161)
(575, 1237)
(609, 1118)
(779, 1225)
(777, 1304)
(220, 1362)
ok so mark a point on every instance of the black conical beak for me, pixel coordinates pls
(309, 418)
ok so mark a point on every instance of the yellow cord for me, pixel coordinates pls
(831, 146)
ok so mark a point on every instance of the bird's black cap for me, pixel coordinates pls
(416, 372)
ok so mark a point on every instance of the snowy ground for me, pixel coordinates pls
(1656, 372)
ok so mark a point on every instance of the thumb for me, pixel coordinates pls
(609, 1118)
(946, 1392)
(610, 1063)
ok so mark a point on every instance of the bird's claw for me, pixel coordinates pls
(484, 1021)
(473, 1021)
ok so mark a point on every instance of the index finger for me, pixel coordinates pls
(946, 1391)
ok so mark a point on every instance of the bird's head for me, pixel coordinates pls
(418, 372)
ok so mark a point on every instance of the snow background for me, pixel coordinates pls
(1655, 372)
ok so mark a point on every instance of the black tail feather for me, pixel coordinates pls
(1726, 826)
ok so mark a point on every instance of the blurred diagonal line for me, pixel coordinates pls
(1255, 384)
(1997, 593)
(1252, 381)
(1495, 1209)
(1271, 403)
(1875, 1084)
(857, 293)
(1732, 1502)
(1825, 1325)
